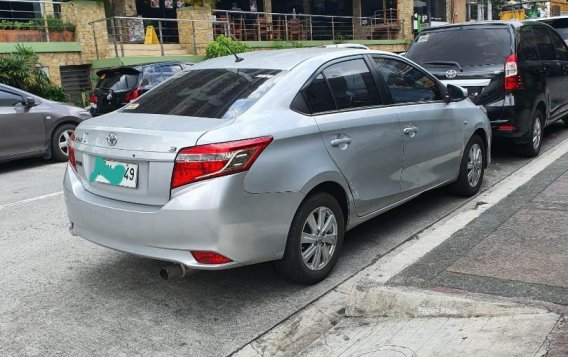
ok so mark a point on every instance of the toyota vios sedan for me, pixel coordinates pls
(270, 156)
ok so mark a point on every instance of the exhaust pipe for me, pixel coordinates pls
(176, 271)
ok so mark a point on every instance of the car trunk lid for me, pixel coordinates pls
(130, 157)
(113, 87)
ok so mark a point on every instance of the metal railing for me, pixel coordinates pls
(192, 36)
(118, 36)
(40, 22)
(271, 26)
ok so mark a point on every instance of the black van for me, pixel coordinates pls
(517, 70)
(118, 86)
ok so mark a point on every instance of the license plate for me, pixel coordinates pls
(115, 173)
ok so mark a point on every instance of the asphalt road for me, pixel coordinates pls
(61, 295)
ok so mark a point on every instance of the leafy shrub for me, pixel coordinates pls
(21, 69)
(221, 47)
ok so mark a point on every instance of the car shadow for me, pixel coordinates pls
(22, 164)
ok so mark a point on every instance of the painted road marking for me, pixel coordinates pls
(33, 199)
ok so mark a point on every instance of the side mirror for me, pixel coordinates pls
(29, 102)
(455, 93)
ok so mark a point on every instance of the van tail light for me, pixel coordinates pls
(204, 257)
(213, 160)
(93, 98)
(130, 96)
(71, 152)
(512, 76)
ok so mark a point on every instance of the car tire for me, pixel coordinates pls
(472, 168)
(60, 141)
(310, 253)
(532, 147)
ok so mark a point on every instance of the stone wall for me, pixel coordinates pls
(196, 34)
(405, 10)
(456, 11)
(53, 60)
(81, 13)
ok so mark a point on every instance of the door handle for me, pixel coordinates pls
(340, 141)
(410, 131)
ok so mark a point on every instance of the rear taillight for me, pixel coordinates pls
(512, 75)
(214, 160)
(204, 257)
(130, 96)
(93, 98)
(71, 151)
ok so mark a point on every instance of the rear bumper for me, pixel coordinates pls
(511, 120)
(214, 215)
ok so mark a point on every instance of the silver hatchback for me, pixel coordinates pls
(270, 158)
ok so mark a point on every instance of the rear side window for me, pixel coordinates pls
(118, 81)
(544, 44)
(527, 45)
(318, 96)
(352, 84)
(468, 45)
(151, 76)
(207, 93)
(405, 83)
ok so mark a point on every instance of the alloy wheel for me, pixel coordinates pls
(474, 165)
(64, 141)
(319, 238)
(537, 134)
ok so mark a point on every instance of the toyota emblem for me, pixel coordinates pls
(451, 73)
(111, 139)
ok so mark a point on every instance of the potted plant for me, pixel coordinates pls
(19, 31)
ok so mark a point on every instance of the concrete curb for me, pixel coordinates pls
(370, 300)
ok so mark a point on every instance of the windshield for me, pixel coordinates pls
(118, 81)
(466, 46)
(207, 93)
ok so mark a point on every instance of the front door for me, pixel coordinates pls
(22, 129)
(361, 135)
(431, 129)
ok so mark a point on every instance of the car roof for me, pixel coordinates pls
(17, 90)
(279, 59)
(139, 67)
(513, 23)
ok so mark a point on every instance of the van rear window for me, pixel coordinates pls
(208, 93)
(468, 46)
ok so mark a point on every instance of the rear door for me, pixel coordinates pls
(432, 134)
(22, 130)
(361, 134)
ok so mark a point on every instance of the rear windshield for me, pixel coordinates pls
(207, 93)
(118, 81)
(466, 46)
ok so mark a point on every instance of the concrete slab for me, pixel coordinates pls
(529, 247)
(557, 192)
(520, 335)
(370, 300)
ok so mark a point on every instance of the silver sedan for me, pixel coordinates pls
(270, 156)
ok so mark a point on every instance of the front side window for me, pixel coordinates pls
(352, 84)
(222, 93)
(9, 99)
(406, 83)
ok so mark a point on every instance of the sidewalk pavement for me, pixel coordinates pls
(497, 287)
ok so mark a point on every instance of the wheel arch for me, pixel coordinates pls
(338, 192)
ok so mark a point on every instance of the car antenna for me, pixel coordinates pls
(237, 58)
